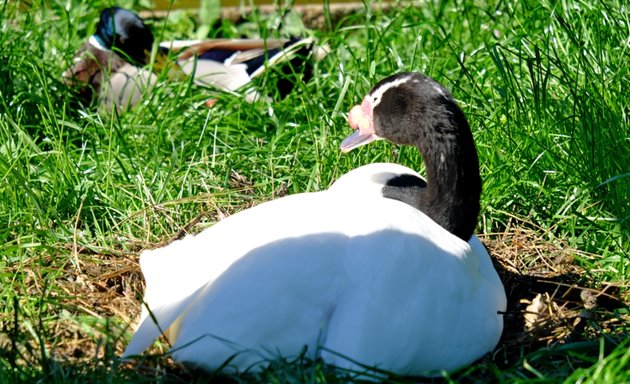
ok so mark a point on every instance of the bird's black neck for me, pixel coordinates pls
(452, 191)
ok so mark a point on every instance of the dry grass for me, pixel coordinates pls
(549, 300)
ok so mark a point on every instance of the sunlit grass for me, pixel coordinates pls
(544, 86)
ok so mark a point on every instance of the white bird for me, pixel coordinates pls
(382, 269)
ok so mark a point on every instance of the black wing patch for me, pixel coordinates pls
(406, 188)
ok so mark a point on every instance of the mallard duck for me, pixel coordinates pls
(381, 270)
(112, 64)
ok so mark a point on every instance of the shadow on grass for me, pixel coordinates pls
(553, 309)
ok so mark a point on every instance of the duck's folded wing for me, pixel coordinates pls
(257, 61)
(187, 49)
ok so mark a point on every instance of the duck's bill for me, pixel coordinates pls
(360, 119)
(357, 139)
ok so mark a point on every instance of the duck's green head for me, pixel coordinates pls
(121, 39)
(121, 30)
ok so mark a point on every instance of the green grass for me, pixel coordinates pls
(545, 88)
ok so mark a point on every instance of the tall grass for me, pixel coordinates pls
(544, 85)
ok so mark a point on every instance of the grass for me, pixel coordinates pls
(544, 86)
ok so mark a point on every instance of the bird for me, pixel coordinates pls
(381, 272)
(113, 65)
